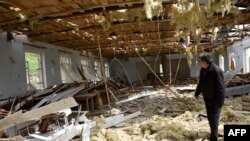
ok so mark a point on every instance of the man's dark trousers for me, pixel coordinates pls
(213, 115)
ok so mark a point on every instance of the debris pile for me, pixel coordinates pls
(239, 79)
(138, 114)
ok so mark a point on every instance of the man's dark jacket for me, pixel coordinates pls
(211, 85)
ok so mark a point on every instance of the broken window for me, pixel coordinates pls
(247, 60)
(97, 68)
(161, 70)
(65, 67)
(106, 68)
(221, 62)
(84, 62)
(89, 68)
(34, 70)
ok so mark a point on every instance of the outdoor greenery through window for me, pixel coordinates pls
(34, 70)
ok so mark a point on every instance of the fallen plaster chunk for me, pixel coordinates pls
(142, 94)
(114, 120)
(18, 117)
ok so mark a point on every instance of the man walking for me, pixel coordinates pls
(212, 87)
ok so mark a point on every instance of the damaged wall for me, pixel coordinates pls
(184, 70)
(12, 72)
(122, 69)
(238, 48)
(118, 73)
(51, 60)
(51, 57)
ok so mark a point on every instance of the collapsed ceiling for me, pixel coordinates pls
(124, 27)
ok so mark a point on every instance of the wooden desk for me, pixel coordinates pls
(87, 97)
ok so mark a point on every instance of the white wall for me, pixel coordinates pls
(12, 70)
(12, 60)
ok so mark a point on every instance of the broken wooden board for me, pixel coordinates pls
(37, 113)
(185, 89)
(51, 108)
(68, 93)
(229, 75)
(114, 120)
(239, 90)
(44, 100)
(142, 94)
(6, 101)
(10, 120)
(20, 104)
(58, 96)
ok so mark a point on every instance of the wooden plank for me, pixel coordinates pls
(142, 94)
(55, 97)
(18, 118)
(239, 90)
(44, 100)
(17, 106)
(114, 120)
(67, 93)
(10, 120)
(51, 108)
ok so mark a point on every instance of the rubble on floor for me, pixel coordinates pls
(239, 79)
(180, 119)
(138, 114)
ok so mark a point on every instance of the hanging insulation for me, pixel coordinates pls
(189, 56)
(103, 21)
(188, 17)
(152, 8)
(214, 35)
(219, 6)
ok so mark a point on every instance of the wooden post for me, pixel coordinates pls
(155, 74)
(103, 73)
(164, 61)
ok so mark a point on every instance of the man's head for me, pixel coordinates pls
(204, 60)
